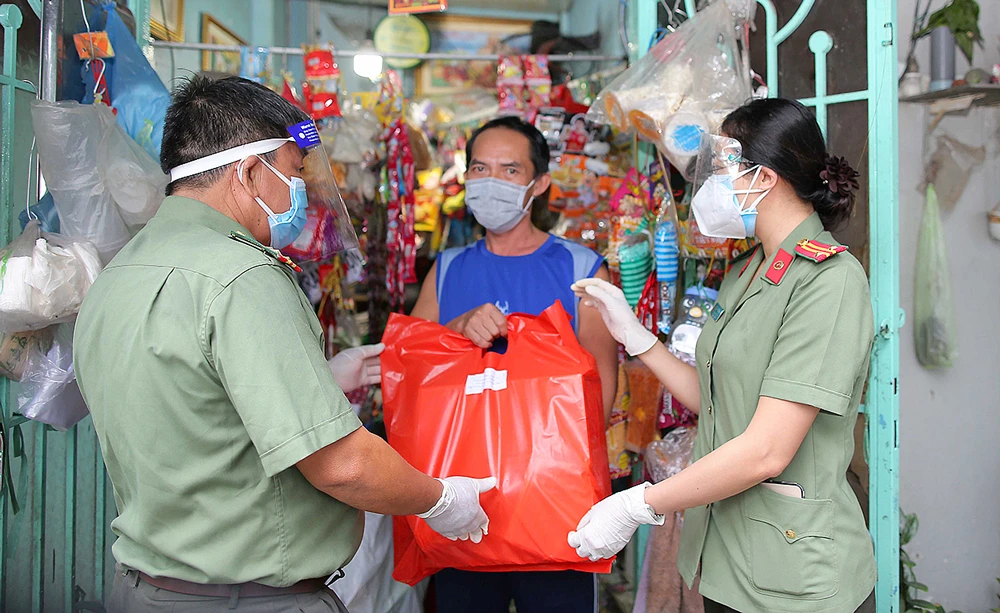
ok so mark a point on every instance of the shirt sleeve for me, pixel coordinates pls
(823, 342)
(267, 350)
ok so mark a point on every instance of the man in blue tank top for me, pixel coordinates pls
(517, 268)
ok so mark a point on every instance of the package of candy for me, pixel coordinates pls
(537, 81)
(510, 85)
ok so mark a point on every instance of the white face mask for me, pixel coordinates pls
(718, 210)
(497, 204)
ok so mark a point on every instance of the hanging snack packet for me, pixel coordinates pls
(537, 80)
(510, 85)
(322, 83)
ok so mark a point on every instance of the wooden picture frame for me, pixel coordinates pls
(213, 32)
(468, 35)
(169, 27)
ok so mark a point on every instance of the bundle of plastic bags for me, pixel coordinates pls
(686, 84)
(103, 184)
(43, 279)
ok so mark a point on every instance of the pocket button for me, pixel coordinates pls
(790, 534)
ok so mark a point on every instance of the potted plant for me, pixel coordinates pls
(955, 24)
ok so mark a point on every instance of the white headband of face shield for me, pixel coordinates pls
(228, 156)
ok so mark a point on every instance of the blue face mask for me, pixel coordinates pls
(286, 227)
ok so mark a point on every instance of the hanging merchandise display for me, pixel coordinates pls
(43, 279)
(451, 408)
(685, 85)
(665, 248)
(136, 93)
(935, 336)
(255, 64)
(619, 461)
(322, 87)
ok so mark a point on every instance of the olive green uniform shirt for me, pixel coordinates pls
(801, 331)
(202, 364)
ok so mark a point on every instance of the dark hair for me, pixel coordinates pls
(783, 135)
(207, 116)
(539, 149)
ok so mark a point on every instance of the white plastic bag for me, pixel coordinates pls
(43, 279)
(134, 179)
(49, 393)
(102, 182)
(367, 585)
(685, 85)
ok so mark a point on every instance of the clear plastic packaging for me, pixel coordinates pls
(685, 85)
(950, 167)
(670, 455)
(49, 393)
(935, 336)
(103, 183)
(43, 279)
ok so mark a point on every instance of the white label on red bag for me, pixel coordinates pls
(489, 379)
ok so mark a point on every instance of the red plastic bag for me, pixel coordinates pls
(532, 417)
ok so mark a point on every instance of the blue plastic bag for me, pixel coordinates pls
(136, 92)
(45, 212)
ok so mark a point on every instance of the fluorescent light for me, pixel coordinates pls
(368, 65)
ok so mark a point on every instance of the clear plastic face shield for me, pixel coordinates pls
(721, 209)
(327, 230)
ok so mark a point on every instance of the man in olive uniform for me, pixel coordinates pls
(240, 471)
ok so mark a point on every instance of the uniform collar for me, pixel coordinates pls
(199, 213)
(780, 260)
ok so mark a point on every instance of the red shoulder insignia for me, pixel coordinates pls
(776, 271)
(817, 251)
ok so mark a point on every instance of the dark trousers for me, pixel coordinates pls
(868, 606)
(460, 591)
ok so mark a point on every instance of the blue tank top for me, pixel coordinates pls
(469, 277)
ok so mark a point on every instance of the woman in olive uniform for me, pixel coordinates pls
(781, 364)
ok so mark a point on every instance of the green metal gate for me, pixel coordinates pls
(55, 551)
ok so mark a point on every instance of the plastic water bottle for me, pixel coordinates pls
(667, 255)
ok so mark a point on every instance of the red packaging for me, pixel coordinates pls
(319, 64)
(324, 104)
(532, 417)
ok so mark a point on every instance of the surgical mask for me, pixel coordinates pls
(285, 227)
(718, 210)
(497, 204)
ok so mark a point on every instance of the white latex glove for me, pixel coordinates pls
(616, 313)
(608, 525)
(457, 516)
(357, 367)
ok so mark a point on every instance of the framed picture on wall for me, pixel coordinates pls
(166, 20)
(215, 33)
(468, 35)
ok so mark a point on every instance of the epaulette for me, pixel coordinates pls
(271, 252)
(817, 251)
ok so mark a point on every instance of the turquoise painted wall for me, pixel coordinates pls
(259, 22)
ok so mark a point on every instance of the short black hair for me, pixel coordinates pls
(784, 136)
(207, 116)
(539, 149)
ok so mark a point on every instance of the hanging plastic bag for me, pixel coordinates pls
(532, 417)
(49, 393)
(134, 179)
(69, 138)
(102, 182)
(685, 85)
(934, 331)
(367, 584)
(950, 167)
(137, 94)
(43, 279)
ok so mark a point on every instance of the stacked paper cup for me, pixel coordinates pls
(636, 264)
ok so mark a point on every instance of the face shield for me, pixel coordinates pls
(720, 208)
(327, 230)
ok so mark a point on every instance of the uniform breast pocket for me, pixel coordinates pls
(791, 546)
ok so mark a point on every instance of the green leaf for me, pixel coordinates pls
(920, 587)
(923, 605)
